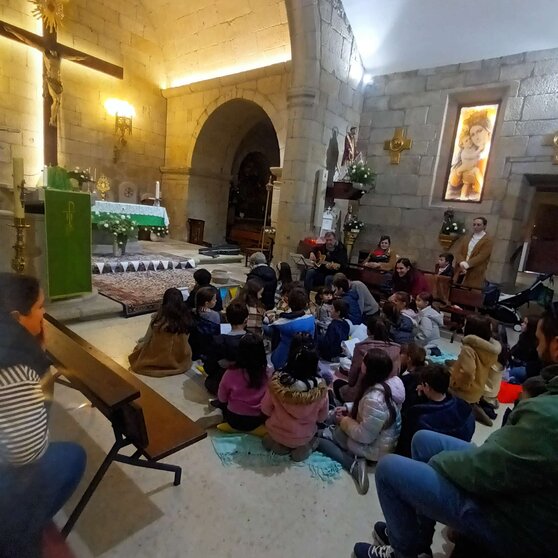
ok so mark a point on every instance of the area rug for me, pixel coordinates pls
(247, 451)
(141, 292)
(139, 262)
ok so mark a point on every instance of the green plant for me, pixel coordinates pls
(353, 224)
(451, 225)
(360, 172)
(159, 231)
(120, 226)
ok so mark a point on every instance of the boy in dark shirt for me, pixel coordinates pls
(202, 277)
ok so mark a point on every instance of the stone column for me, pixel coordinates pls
(174, 188)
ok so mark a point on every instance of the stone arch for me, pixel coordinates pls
(218, 142)
(276, 115)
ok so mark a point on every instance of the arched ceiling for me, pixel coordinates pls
(400, 35)
(202, 39)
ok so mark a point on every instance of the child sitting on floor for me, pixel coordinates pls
(329, 345)
(413, 358)
(400, 326)
(435, 410)
(282, 305)
(429, 322)
(343, 290)
(202, 277)
(295, 401)
(206, 321)
(165, 350)
(244, 385)
(369, 427)
(251, 295)
(225, 346)
(324, 307)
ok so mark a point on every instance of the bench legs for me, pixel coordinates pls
(113, 455)
(151, 465)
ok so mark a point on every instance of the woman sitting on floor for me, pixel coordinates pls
(165, 350)
(243, 386)
(369, 427)
(37, 476)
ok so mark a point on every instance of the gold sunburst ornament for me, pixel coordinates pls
(103, 186)
(50, 11)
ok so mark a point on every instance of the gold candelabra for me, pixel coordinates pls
(18, 261)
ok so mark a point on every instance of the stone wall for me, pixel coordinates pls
(407, 202)
(325, 92)
(206, 125)
(205, 38)
(117, 32)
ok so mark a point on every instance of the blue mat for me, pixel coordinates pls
(247, 451)
(442, 358)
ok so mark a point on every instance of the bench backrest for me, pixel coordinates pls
(471, 298)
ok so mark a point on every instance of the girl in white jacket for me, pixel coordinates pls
(429, 322)
(368, 428)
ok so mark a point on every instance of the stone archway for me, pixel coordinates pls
(231, 131)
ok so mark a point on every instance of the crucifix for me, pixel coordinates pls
(53, 53)
(397, 144)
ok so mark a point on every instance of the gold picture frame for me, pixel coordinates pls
(471, 147)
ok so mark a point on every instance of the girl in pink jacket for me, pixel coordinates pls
(296, 399)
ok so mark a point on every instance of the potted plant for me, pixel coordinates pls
(121, 227)
(362, 176)
(451, 229)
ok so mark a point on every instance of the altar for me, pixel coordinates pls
(143, 215)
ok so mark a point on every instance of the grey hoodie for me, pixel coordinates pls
(429, 323)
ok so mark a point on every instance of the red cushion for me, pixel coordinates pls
(509, 392)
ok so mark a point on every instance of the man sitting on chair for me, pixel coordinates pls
(333, 260)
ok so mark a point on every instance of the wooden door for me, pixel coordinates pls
(543, 247)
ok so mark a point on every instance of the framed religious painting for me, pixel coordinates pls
(470, 153)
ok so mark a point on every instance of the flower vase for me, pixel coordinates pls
(349, 240)
(119, 245)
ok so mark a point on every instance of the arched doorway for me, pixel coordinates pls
(234, 150)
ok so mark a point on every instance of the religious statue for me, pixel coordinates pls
(332, 156)
(350, 152)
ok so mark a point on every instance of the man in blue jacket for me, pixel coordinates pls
(503, 495)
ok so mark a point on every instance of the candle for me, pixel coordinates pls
(157, 190)
(19, 212)
(45, 176)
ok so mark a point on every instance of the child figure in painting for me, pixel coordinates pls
(469, 157)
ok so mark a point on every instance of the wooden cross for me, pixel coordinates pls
(53, 53)
(397, 144)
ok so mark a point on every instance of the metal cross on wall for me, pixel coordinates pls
(397, 144)
(53, 53)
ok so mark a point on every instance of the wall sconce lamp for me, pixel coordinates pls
(123, 113)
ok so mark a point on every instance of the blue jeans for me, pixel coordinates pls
(32, 494)
(518, 373)
(414, 497)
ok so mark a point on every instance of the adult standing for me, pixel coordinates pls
(36, 477)
(500, 495)
(266, 274)
(472, 255)
(329, 262)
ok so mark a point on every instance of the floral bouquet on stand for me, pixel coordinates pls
(451, 229)
(351, 229)
(122, 227)
(362, 176)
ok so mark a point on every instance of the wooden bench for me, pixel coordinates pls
(140, 417)
(375, 280)
(462, 302)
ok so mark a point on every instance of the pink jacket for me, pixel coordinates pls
(293, 411)
(238, 395)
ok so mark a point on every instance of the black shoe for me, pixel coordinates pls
(380, 533)
(481, 416)
(488, 409)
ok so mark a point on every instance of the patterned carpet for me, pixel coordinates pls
(141, 292)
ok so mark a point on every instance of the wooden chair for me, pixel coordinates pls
(139, 416)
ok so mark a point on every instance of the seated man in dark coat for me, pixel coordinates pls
(435, 410)
(329, 262)
(266, 275)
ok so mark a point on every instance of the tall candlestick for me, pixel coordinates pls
(19, 212)
(157, 190)
(45, 176)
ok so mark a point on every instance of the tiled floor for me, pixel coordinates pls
(216, 511)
